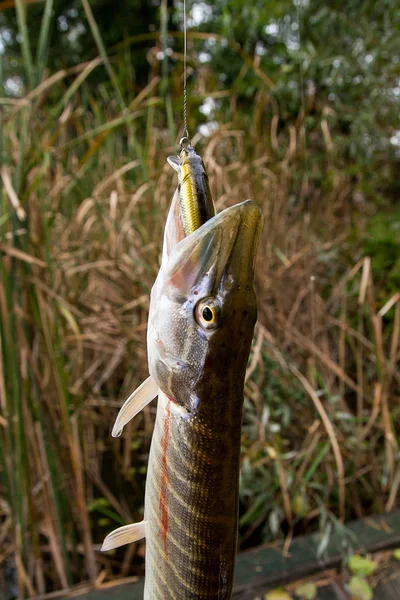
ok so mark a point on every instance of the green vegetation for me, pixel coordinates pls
(306, 126)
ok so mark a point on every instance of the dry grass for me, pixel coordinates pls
(80, 233)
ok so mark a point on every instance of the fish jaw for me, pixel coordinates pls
(216, 261)
(173, 232)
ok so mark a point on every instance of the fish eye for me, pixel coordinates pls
(207, 313)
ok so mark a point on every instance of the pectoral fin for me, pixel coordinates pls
(136, 401)
(124, 535)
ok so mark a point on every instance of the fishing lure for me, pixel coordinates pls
(201, 322)
(196, 204)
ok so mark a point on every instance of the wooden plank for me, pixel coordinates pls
(266, 567)
(389, 587)
(326, 592)
(129, 591)
(135, 592)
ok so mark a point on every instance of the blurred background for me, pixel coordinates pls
(292, 103)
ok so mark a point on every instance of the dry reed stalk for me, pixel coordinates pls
(256, 352)
(332, 437)
(342, 347)
(376, 408)
(12, 196)
(394, 345)
(309, 448)
(50, 520)
(74, 448)
(284, 490)
(295, 336)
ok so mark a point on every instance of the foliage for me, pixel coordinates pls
(361, 566)
(70, 38)
(278, 594)
(307, 591)
(382, 242)
(360, 589)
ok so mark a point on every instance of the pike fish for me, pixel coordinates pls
(201, 322)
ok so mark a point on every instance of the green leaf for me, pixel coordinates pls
(359, 565)
(278, 594)
(306, 591)
(396, 553)
(300, 505)
(360, 589)
(97, 503)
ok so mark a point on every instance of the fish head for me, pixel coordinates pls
(187, 160)
(203, 306)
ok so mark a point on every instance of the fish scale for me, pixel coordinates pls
(190, 549)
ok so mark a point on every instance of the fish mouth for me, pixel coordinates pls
(241, 262)
(222, 249)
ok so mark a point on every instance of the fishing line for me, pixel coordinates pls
(302, 96)
(185, 140)
(306, 221)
